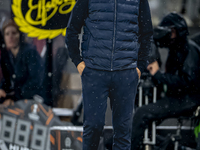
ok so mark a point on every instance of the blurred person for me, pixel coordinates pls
(60, 62)
(182, 77)
(22, 67)
(115, 49)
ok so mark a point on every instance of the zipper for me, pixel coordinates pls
(114, 34)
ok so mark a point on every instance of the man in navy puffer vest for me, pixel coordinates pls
(115, 49)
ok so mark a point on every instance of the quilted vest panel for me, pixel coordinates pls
(110, 39)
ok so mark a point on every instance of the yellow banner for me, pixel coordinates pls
(43, 11)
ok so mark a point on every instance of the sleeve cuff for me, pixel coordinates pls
(77, 61)
(158, 76)
(141, 69)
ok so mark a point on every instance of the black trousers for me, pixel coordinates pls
(165, 108)
(121, 88)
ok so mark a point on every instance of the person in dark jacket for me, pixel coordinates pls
(115, 49)
(182, 77)
(22, 67)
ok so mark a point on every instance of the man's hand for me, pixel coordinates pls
(81, 67)
(2, 93)
(153, 68)
(139, 72)
(8, 102)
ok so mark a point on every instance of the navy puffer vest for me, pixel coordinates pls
(110, 40)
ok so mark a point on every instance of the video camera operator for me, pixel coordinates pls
(182, 77)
